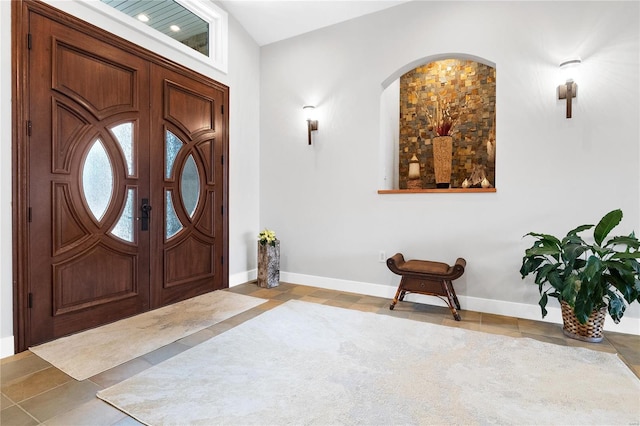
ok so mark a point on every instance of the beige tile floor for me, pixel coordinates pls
(34, 392)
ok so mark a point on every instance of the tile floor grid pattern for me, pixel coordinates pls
(34, 392)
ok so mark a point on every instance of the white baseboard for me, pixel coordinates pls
(242, 277)
(628, 325)
(6, 346)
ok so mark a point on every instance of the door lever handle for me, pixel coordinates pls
(145, 215)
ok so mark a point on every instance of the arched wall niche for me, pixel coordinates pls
(447, 87)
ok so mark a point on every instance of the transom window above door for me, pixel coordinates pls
(196, 27)
(170, 18)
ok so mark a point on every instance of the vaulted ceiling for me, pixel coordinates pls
(268, 21)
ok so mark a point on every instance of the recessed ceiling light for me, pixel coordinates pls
(143, 18)
(175, 28)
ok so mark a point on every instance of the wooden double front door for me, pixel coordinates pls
(125, 179)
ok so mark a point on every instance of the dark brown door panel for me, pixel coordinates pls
(121, 189)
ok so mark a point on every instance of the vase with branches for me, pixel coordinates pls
(442, 119)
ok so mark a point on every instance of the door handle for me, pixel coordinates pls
(145, 214)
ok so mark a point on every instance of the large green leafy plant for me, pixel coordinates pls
(586, 276)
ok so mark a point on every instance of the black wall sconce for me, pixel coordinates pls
(569, 90)
(312, 123)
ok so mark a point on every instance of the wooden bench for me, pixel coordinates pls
(429, 278)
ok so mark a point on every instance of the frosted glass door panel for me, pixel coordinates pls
(97, 180)
(124, 226)
(173, 225)
(172, 147)
(190, 185)
(124, 135)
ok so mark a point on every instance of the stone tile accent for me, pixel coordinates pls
(468, 89)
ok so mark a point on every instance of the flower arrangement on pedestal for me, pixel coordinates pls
(268, 259)
(267, 237)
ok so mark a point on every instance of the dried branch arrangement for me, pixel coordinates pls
(442, 120)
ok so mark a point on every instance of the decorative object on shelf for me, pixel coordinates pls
(413, 177)
(491, 145)
(442, 158)
(586, 277)
(478, 177)
(441, 122)
(466, 183)
(491, 150)
(312, 122)
(568, 90)
(268, 259)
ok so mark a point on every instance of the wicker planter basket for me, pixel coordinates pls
(591, 331)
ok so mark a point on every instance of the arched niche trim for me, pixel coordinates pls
(432, 58)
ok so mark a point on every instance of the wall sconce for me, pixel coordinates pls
(312, 123)
(568, 90)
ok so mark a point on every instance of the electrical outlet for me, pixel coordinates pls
(382, 256)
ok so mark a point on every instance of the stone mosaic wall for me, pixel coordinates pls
(467, 89)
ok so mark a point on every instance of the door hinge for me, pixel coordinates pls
(221, 209)
(222, 260)
(222, 160)
(29, 41)
(29, 214)
(222, 109)
(29, 127)
(30, 300)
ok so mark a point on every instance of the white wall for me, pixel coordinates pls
(244, 86)
(551, 173)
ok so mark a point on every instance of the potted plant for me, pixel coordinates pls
(588, 278)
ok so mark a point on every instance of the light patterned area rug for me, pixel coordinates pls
(90, 352)
(304, 363)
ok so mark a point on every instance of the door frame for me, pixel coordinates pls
(20, 10)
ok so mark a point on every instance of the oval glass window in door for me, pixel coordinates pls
(97, 180)
(190, 185)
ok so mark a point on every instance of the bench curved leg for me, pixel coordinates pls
(453, 293)
(452, 298)
(399, 296)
